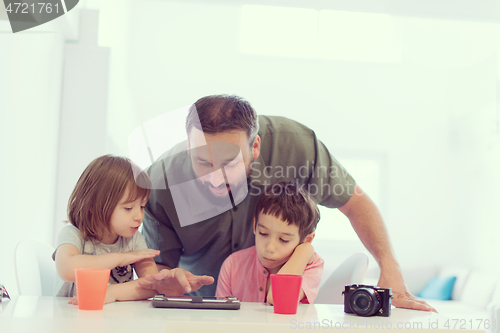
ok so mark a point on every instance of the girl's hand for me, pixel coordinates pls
(110, 297)
(135, 256)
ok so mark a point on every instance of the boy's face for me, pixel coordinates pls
(275, 241)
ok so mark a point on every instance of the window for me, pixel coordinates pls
(367, 172)
(312, 34)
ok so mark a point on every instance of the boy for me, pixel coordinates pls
(285, 219)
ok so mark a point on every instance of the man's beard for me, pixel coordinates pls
(235, 189)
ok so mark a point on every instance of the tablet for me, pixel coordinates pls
(196, 302)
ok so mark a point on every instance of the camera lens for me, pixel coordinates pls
(365, 302)
(362, 302)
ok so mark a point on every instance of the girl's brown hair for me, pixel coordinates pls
(99, 189)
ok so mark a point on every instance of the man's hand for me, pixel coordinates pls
(402, 297)
(175, 282)
(370, 227)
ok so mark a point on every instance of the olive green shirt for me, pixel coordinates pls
(289, 151)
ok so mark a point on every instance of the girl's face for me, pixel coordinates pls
(126, 218)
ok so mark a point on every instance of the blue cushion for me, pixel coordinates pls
(439, 288)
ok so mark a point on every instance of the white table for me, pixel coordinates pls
(54, 315)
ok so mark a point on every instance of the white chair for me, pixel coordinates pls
(34, 268)
(352, 270)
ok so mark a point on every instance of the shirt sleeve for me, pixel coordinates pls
(330, 183)
(69, 234)
(311, 279)
(224, 281)
(309, 162)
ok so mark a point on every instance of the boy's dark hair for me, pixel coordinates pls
(291, 203)
(223, 113)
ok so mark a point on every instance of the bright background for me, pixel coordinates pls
(405, 94)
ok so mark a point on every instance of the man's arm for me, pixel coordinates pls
(170, 282)
(367, 221)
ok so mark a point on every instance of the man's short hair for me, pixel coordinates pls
(223, 113)
(291, 203)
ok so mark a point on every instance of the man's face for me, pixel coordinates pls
(222, 160)
(275, 241)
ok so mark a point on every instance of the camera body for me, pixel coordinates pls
(363, 300)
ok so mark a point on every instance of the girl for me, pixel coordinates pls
(105, 211)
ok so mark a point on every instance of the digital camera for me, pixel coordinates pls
(366, 301)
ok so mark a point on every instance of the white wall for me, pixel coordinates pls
(30, 98)
(83, 131)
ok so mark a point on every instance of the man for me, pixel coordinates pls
(201, 208)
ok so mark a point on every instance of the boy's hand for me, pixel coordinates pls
(302, 252)
(307, 249)
(269, 298)
(135, 256)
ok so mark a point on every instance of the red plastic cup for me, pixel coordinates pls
(91, 287)
(286, 292)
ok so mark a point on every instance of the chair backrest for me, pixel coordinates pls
(352, 270)
(34, 268)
